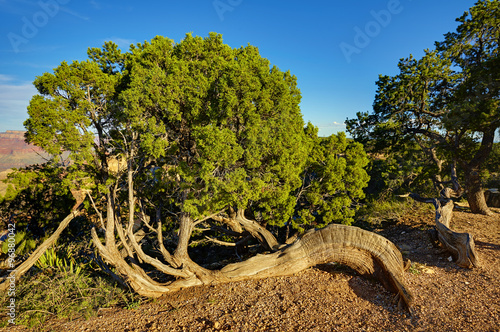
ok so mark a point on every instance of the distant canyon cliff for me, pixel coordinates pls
(15, 152)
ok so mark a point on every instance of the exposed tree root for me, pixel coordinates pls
(365, 252)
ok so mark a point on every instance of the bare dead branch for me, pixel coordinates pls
(212, 216)
(222, 243)
(461, 245)
(154, 261)
(20, 270)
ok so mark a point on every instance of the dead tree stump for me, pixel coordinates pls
(460, 245)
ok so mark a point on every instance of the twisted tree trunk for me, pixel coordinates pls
(240, 224)
(472, 170)
(365, 252)
(460, 245)
(475, 192)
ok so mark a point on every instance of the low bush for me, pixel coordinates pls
(64, 287)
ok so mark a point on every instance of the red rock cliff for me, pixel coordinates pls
(12, 142)
(15, 152)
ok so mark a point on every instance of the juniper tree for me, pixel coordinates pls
(447, 102)
(177, 144)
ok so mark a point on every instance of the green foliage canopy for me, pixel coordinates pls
(196, 127)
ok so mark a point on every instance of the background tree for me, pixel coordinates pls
(447, 102)
(208, 144)
(475, 105)
(492, 171)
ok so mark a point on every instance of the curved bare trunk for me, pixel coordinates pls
(460, 245)
(240, 224)
(19, 271)
(365, 252)
(257, 231)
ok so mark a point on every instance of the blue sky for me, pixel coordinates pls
(336, 49)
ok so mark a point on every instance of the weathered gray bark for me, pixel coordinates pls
(365, 252)
(239, 224)
(461, 245)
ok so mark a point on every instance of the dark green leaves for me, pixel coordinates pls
(199, 127)
(333, 180)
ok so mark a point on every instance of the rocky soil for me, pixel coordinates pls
(334, 298)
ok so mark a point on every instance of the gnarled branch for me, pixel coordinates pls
(19, 271)
(461, 245)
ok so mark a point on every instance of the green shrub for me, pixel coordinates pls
(64, 264)
(70, 295)
(65, 283)
(10, 194)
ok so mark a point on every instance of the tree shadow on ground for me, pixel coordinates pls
(367, 288)
(487, 245)
(418, 243)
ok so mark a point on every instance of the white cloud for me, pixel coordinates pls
(74, 13)
(5, 78)
(96, 5)
(14, 99)
(333, 124)
(326, 129)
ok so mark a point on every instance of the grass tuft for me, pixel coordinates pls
(376, 212)
(61, 287)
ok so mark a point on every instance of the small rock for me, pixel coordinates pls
(428, 270)
(450, 259)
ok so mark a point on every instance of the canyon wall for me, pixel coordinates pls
(15, 152)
